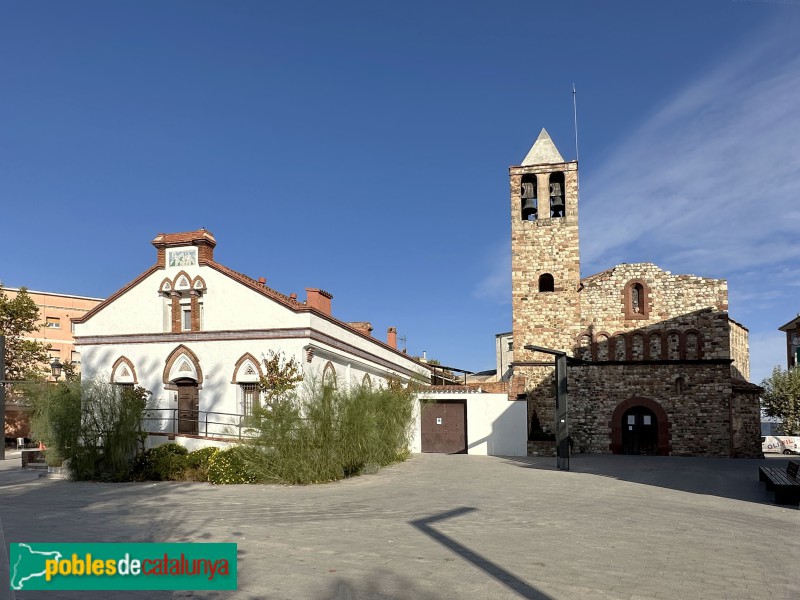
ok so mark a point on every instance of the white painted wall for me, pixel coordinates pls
(228, 306)
(495, 425)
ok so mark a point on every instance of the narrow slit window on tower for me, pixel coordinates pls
(557, 206)
(546, 283)
(528, 193)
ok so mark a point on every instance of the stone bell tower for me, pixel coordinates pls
(545, 268)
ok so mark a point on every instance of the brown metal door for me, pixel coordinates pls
(188, 406)
(444, 427)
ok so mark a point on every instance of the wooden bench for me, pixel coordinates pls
(784, 482)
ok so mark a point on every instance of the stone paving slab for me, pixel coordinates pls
(614, 527)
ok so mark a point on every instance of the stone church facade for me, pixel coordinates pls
(656, 365)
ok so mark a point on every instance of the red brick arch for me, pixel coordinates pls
(664, 434)
(181, 350)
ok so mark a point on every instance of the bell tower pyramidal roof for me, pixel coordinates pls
(542, 152)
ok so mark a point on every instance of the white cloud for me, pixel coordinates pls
(711, 182)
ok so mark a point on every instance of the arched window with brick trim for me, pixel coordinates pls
(636, 299)
(329, 376)
(546, 283)
(246, 376)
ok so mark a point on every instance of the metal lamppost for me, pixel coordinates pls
(55, 368)
(562, 430)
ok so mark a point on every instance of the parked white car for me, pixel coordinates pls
(782, 444)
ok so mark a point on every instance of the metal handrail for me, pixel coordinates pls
(208, 418)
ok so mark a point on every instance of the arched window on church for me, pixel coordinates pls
(636, 300)
(546, 283)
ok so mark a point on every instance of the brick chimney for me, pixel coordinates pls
(391, 337)
(362, 326)
(319, 299)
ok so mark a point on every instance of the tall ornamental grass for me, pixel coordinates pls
(94, 425)
(324, 434)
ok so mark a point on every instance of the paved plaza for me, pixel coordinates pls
(450, 527)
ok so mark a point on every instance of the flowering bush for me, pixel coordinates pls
(231, 466)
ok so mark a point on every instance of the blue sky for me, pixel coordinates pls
(363, 148)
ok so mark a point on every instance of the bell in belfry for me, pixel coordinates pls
(528, 195)
(556, 200)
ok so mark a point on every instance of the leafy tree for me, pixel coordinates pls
(281, 377)
(25, 359)
(781, 398)
(70, 371)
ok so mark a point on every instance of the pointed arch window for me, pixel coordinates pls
(329, 376)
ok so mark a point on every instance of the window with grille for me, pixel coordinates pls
(249, 397)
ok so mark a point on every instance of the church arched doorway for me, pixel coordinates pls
(640, 426)
(639, 431)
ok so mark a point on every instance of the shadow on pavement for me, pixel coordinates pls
(734, 478)
(492, 569)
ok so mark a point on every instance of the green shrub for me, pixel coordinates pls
(197, 463)
(162, 463)
(327, 435)
(232, 465)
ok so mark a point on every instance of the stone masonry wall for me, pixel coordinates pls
(697, 409)
(746, 411)
(546, 245)
(686, 305)
(740, 351)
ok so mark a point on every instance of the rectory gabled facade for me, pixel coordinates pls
(194, 333)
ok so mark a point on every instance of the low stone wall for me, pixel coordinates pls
(541, 448)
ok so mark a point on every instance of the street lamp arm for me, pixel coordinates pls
(544, 350)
